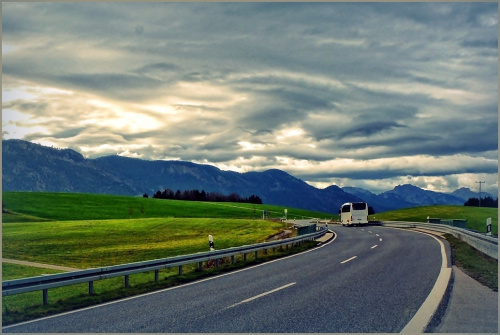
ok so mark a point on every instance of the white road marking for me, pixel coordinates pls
(348, 260)
(377, 234)
(171, 288)
(380, 239)
(376, 245)
(370, 232)
(262, 295)
(424, 315)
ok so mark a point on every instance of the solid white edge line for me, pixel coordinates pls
(376, 245)
(170, 288)
(424, 315)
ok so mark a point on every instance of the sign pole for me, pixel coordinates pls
(211, 242)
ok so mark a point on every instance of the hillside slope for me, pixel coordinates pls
(32, 167)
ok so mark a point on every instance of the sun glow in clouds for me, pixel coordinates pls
(363, 93)
(251, 146)
(291, 132)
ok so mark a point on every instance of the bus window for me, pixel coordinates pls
(358, 206)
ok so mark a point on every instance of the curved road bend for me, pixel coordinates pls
(370, 279)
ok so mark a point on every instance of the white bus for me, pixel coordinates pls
(354, 213)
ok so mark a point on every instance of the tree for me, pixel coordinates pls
(253, 199)
(178, 195)
(485, 202)
(196, 195)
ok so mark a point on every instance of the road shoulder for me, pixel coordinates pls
(472, 308)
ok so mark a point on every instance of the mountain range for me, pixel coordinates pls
(28, 166)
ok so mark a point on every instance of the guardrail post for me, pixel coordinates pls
(127, 281)
(256, 254)
(91, 287)
(232, 259)
(180, 270)
(244, 257)
(200, 266)
(156, 275)
(45, 295)
(217, 263)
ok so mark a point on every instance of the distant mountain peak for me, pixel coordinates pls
(32, 167)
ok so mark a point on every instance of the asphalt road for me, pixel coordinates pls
(369, 279)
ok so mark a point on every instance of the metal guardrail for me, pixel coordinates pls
(43, 283)
(486, 244)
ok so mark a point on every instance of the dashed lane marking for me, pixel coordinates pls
(348, 260)
(262, 295)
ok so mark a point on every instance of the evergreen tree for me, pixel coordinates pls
(485, 202)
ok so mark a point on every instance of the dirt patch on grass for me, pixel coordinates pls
(281, 235)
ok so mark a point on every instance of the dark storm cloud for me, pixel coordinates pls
(116, 85)
(296, 86)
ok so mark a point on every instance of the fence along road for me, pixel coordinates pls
(370, 279)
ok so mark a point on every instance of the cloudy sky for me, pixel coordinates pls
(353, 94)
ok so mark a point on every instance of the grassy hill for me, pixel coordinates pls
(89, 230)
(96, 243)
(42, 206)
(475, 216)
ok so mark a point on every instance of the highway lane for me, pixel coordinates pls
(370, 279)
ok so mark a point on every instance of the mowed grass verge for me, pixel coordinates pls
(95, 243)
(477, 265)
(475, 216)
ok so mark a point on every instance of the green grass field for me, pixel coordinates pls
(476, 217)
(89, 230)
(42, 206)
(96, 243)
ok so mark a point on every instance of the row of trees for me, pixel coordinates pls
(485, 202)
(196, 195)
